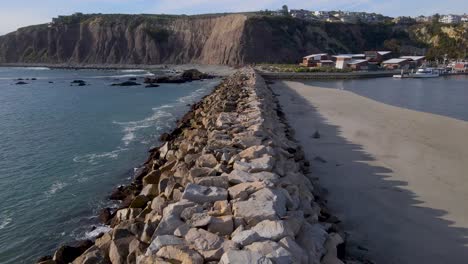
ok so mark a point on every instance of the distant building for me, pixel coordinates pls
(326, 63)
(315, 60)
(394, 64)
(415, 60)
(343, 60)
(301, 14)
(422, 19)
(461, 67)
(377, 56)
(403, 20)
(358, 65)
(450, 19)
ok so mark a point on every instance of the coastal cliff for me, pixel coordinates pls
(232, 39)
(229, 185)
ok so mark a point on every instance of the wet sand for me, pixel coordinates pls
(397, 178)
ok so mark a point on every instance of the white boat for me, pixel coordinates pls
(402, 75)
(426, 73)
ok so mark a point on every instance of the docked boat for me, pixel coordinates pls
(426, 73)
(402, 75)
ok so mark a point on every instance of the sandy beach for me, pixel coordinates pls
(397, 178)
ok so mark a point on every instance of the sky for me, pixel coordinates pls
(19, 13)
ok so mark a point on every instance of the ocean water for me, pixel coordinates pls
(64, 148)
(447, 96)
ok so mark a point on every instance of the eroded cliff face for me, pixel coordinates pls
(102, 40)
(234, 39)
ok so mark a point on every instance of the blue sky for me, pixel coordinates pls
(17, 13)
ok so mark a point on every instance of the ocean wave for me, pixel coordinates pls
(159, 118)
(37, 68)
(194, 96)
(55, 187)
(133, 70)
(96, 232)
(5, 220)
(122, 76)
(94, 157)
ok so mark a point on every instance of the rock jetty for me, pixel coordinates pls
(228, 185)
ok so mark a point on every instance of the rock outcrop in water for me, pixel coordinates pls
(229, 186)
(234, 39)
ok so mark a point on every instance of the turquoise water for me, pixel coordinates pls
(447, 96)
(64, 148)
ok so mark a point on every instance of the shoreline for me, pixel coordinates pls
(335, 76)
(217, 180)
(395, 176)
(218, 70)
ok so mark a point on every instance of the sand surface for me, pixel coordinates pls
(397, 178)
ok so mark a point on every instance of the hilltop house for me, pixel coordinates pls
(450, 19)
(377, 56)
(316, 60)
(394, 64)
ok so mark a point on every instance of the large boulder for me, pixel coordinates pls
(119, 250)
(162, 241)
(202, 194)
(239, 176)
(244, 256)
(273, 251)
(207, 161)
(68, 253)
(93, 255)
(181, 254)
(312, 239)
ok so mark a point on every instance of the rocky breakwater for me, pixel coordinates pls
(228, 186)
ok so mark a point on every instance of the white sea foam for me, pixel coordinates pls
(133, 70)
(97, 231)
(93, 158)
(123, 76)
(5, 220)
(37, 68)
(55, 187)
(195, 95)
(159, 118)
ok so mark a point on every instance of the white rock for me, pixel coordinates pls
(201, 239)
(254, 211)
(274, 195)
(202, 194)
(243, 257)
(255, 152)
(223, 225)
(272, 230)
(207, 161)
(239, 176)
(213, 181)
(264, 163)
(273, 251)
(180, 254)
(298, 253)
(246, 237)
(312, 239)
(161, 241)
(244, 190)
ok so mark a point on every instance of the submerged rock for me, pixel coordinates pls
(126, 83)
